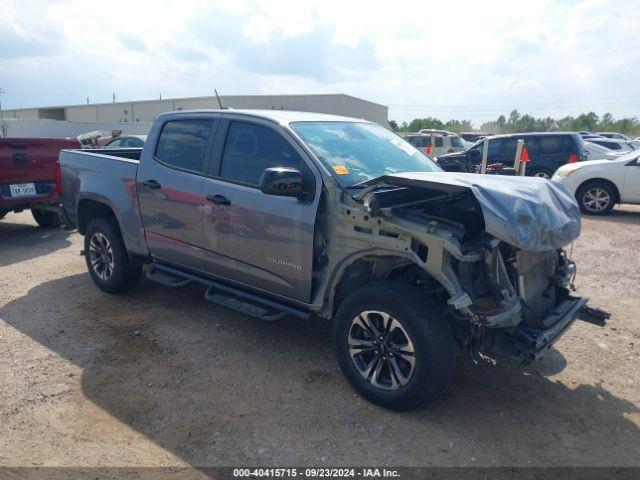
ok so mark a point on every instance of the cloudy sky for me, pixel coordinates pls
(453, 59)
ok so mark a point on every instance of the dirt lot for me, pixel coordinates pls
(161, 377)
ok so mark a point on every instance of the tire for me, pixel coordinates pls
(45, 218)
(3, 213)
(422, 326)
(107, 258)
(541, 173)
(596, 198)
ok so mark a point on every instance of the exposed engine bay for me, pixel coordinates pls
(499, 267)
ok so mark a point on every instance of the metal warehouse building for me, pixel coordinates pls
(147, 110)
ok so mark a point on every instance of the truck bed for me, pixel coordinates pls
(118, 153)
(108, 177)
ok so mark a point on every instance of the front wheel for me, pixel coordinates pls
(596, 198)
(45, 218)
(107, 258)
(393, 345)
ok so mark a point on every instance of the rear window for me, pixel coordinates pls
(182, 144)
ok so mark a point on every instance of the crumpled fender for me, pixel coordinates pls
(529, 213)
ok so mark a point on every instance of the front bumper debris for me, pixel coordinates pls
(532, 343)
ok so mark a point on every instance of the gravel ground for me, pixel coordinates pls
(160, 377)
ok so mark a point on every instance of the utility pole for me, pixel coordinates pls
(114, 97)
(3, 132)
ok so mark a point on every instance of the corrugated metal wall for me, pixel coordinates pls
(146, 111)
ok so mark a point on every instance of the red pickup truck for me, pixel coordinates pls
(30, 176)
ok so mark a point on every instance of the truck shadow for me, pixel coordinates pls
(216, 388)
(21, 241)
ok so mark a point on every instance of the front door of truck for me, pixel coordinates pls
(169, 184)
(256, 239)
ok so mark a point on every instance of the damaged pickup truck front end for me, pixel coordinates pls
(491, 248)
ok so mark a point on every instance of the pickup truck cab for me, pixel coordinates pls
(30, 176)
(291, 214)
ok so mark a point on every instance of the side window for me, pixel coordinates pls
(494, 146)
(551, 145)
(250, 149)
(532, 144)
(439, 142)
(508, 147)
(182, 144)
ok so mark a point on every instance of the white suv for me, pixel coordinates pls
(600, 184)
(445, 142)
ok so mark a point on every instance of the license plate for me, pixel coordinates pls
(23, 190)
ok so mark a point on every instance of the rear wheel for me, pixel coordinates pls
(393, 345)
(107, 258)
(596, 198)
(45, 218)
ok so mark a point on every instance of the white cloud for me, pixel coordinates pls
(448, 59)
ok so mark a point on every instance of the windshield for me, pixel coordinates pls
(357, 152)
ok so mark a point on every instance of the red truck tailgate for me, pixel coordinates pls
(29, 165)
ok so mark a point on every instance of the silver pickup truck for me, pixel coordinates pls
(290, 214)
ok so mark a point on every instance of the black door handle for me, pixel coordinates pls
(218, 199)
(151, 184)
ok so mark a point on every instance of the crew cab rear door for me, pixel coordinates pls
(259, 240)
(169, 185)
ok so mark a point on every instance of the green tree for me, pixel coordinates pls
(512, 123)
(528, 123)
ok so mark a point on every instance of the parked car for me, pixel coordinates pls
(615, 144)
(127, 141)
(616, 135)
(599, 185)
(444, 143)
(299, 214)
(30, 176)
(589, 137)
(435, 130)
(547, 151)
(473, 136)
(598, 152)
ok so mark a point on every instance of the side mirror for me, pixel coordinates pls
(282, 182)
(474, 152)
